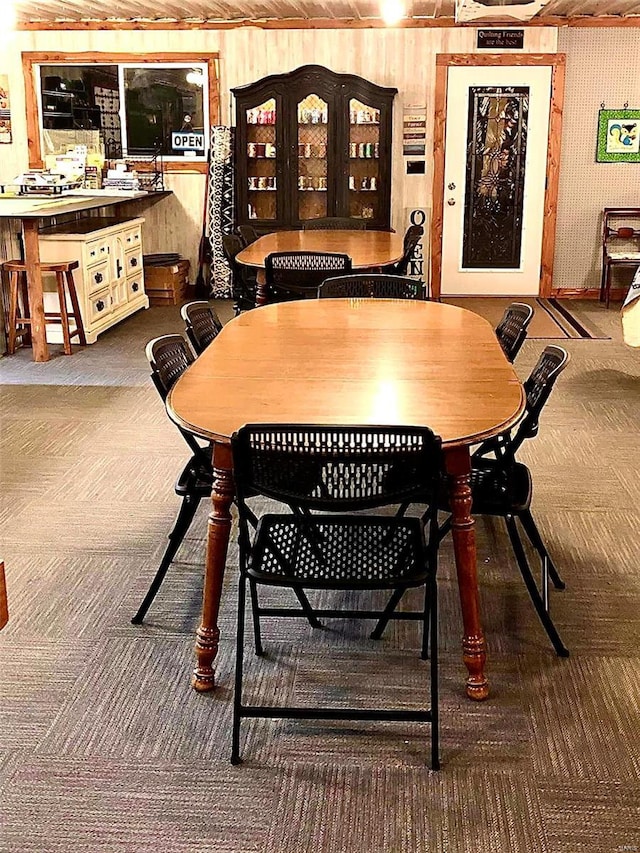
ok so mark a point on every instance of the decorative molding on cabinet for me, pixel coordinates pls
(110, 280)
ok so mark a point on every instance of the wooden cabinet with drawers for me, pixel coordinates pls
(110, 280)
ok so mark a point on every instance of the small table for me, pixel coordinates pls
(31, 211)
(367, 249)
(348, 361)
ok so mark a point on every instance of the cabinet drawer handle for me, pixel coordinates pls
(98, 278)
(135, 287)
(134, 262)
(118, 269)
(99, 305)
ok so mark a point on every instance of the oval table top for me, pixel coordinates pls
(365, 248)
(349, 361)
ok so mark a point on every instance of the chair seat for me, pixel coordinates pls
(196, 479)
(343, 552)
(496, 491)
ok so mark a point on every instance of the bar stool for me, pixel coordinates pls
(20, 324)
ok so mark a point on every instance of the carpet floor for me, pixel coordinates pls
(104, 745)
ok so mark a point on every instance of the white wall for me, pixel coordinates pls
(404, 58)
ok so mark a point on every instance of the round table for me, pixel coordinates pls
(349, 361)
(367, 249)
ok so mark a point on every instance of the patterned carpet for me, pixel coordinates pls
(104, 746)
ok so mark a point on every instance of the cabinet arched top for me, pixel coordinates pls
(316, 75)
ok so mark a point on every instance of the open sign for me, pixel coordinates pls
(187, 141)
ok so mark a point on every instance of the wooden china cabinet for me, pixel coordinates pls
(312, 144)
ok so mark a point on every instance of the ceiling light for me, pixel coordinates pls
(392, 11)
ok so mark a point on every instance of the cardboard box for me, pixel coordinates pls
(167, 285)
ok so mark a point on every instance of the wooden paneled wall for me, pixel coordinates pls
(404, 58)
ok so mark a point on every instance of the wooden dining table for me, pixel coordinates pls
(349, 361)
(367, 250)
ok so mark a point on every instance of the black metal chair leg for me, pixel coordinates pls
(237, 693)
(533, 533)
(433, 639)
(383, 621)
(426, 623)
(183, 522)
(534, 594)
(255, 609)
(306, 606)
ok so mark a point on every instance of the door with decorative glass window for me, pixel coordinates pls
(495, 162)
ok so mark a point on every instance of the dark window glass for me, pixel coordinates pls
(164, 110)
(496, 154)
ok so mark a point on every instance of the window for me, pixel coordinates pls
(123, 106)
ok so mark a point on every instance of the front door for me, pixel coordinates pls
(495, 163)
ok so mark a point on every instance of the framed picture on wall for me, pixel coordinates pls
(618, 136)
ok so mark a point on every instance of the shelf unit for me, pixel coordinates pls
(61, 111)
(316, 135)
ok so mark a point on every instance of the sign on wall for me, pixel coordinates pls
(418, 265)
(414, 131)
(5, 110)
(500, 39)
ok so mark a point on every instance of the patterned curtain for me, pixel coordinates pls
(220, 207)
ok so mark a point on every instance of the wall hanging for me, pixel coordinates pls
(618, 136)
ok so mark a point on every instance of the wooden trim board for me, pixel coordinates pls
(329, 24)
(32, 58)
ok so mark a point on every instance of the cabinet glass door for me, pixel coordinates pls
(313, 116)
(261, 161)
(364, 160)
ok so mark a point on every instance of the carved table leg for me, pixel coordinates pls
(261, 289)
(218, 530)
(458, 464)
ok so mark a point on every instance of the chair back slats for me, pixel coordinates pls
(247, 234)
(376, 286)
(202, 324)
(334, 223)
(537, 388)
(303, 272)
(511, 331)
(337, 468)
(169, 356)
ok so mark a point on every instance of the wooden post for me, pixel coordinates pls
(34, 284)
(4, 606)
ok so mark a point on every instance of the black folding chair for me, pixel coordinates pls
(169, 356)
(334, 223)
(511, 331)
(202, 324)
(371, 285)
(296, 275)
(243, 281)
(503, 487)
(328, 473)
(247, 234)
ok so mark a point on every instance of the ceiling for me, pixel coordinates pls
(30, 12)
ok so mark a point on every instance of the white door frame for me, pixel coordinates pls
(557, 61)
